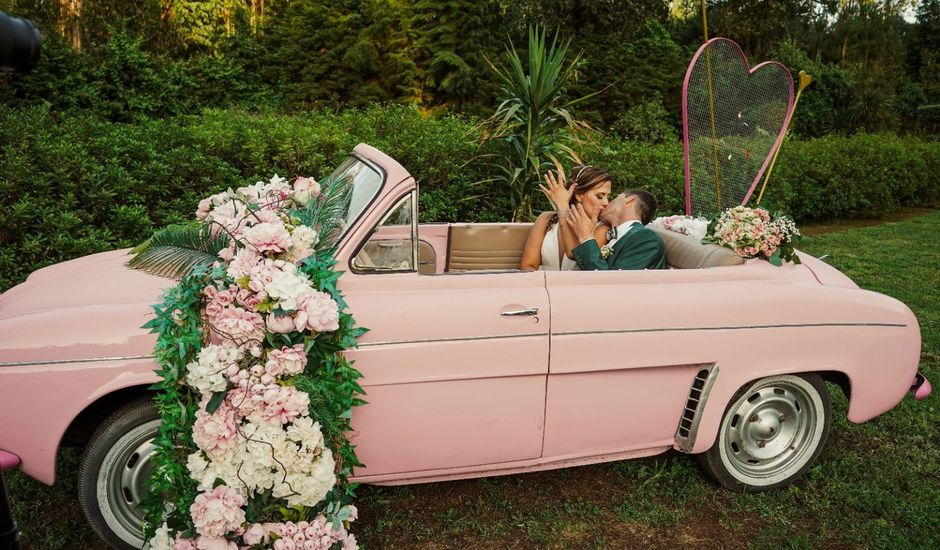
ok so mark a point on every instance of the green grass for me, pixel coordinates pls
(877, 485)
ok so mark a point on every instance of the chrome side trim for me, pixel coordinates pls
(430, 341)
(701, 387)
(743, 327)
(62, 361)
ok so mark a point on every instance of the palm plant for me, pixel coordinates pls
(534, 119)
(177, 250)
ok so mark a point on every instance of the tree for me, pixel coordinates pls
(70, 22)
(453, 40)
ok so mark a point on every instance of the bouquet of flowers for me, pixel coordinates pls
(254, 325)
(686, 225)
(754, 233)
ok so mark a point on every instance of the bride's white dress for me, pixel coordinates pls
(551, 252)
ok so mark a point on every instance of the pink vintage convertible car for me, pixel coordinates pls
(475, 368)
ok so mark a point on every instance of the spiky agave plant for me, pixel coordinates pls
(534, 118)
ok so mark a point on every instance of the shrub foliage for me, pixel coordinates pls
(73, 185)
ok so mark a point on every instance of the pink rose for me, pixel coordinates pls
(216, 513)
(280, 324)
(256, 534)
(203, 209)
(213, 309)
(305, 189)
(224, 298)
(284, 544)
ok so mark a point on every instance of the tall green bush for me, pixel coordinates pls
(72, 185)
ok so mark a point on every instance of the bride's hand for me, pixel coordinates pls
(555, 189)
(581, 223)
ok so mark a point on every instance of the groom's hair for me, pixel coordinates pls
(645, 204)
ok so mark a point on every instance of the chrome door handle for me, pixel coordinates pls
(521, 312)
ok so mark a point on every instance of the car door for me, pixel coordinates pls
(454, 365)
(621, 360)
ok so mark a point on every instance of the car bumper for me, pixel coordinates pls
(921, 387)
(8, 460)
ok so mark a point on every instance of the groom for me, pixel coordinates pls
(630, 244)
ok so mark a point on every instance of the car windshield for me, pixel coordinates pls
(365, 182)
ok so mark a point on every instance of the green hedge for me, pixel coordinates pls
(72, 185)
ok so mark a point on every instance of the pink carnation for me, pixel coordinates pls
(217, 512)
(242, 262)
(283, 404)
(317, 311)
(268, 237)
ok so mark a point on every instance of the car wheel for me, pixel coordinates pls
(114, 470)
(772, 431)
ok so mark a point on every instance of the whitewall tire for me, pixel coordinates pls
(773, 430)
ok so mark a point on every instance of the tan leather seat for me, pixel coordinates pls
(684, 252)
(479, 246)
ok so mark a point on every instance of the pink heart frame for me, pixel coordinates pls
(732, 116)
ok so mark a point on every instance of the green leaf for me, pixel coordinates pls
(216, 401)
(178, 250)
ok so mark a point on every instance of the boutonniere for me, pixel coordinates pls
(606, 251)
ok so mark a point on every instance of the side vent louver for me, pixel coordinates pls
(691, 414)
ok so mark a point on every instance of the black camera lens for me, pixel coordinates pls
(20, 43)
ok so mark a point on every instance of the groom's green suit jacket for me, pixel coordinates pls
(640, 248)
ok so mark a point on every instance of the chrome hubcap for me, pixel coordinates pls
(772, 431)
(128, 481)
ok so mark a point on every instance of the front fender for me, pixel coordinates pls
(41, 401)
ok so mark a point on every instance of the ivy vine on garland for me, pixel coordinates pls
(256, 394)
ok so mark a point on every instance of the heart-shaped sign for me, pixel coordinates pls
(733, 121)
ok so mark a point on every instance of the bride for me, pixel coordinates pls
(549, 244)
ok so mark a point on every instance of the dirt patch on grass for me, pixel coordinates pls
(811, 229)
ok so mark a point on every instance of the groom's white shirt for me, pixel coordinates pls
(622, 230)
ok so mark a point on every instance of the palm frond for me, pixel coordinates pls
(327, 214)
(176, 250)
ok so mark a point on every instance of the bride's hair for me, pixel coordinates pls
(583, 178)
